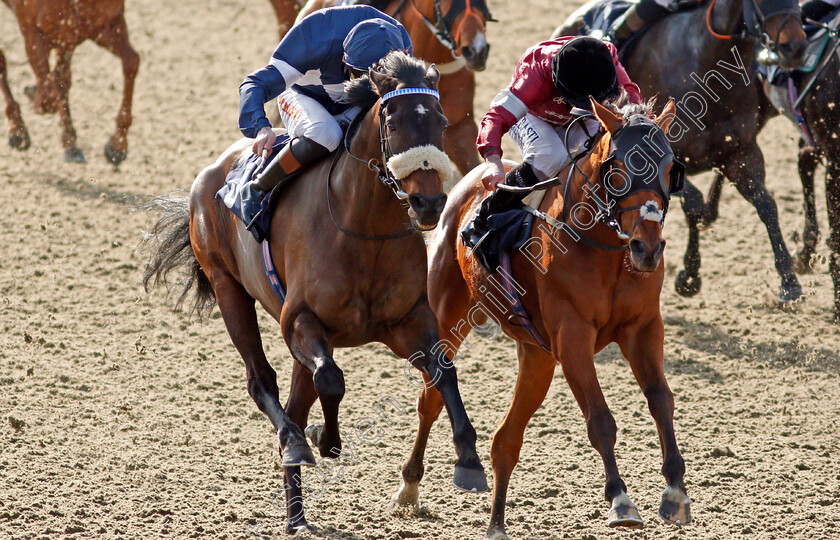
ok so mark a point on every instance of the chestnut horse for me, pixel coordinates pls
(353, 266)
(451, 35)
(62, 25)
(581, 295)
(720, 113)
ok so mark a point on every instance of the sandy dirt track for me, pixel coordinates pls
(122, 419)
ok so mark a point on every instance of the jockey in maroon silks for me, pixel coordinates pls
(535, 110)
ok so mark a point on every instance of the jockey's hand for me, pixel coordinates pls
(494, 173)
(264, 141)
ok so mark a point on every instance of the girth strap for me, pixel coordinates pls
(271, 273)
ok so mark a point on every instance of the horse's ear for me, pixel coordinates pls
(432, 76)
(667, 116)
(379, 80)
(608, 119)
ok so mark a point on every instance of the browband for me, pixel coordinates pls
(406, 91)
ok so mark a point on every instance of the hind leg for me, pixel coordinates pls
(18, 136)
(63, 79)
(747, 173)
(809, 158)
(688, 280)
(301, 398)
(536, 369)
(832, 193)
(240, 318)
(306, 338)
(115, 39)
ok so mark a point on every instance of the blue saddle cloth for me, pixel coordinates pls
(245, 172)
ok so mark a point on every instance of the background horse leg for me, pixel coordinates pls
(240, 318)
(536, 369)
(809, 158)
(44, 94)
(688, 280)
(301, 398)
(577, 343)
(452, 302)
(747, 173)
(115, 39)
(710, 213)
(833, 198)
(417, 341)
(642, 346)
(63, 80)
(18, 136)
(307, 340)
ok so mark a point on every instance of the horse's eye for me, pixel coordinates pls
(392, 127)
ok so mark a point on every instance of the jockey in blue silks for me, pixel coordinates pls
(307, 73)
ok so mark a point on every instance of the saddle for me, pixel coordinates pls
(244, 172)
(599, 21)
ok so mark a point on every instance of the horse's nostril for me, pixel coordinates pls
(467, 52)
(638, 247)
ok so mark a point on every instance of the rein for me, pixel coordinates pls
(383, 174)
(754, 21)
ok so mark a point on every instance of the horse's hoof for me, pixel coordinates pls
(675, 507)
(407, 497)
(687, 285)
(300, 525)
(314, 432)
(470, 480)
(114, 156)
(298, 455)
(74, 155)
(703, 225)
(30, 91)
(623, 513)
(496, 533)
(803, 261)
(790, 293)
(19, 141)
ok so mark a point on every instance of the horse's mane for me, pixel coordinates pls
(626, 109)
(397, 65)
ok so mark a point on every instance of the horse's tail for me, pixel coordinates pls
(168, 247)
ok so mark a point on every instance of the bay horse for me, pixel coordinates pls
(451, 35)
(581, 296)
(349, 255)
(62, 25)
(719, 106)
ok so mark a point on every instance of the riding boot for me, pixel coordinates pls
(291, 158)
(816, 10)
(642, 13)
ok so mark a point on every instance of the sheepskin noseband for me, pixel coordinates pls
(426, 157)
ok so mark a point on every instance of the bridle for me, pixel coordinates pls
(639, 137)
(755, 20)
(441, 27)
(383, 173)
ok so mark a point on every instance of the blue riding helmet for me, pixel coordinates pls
(369, 41)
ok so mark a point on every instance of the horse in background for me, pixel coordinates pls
(344, 241)
(703, 58)
(62, 25)
(451, 35)
(285, 11)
